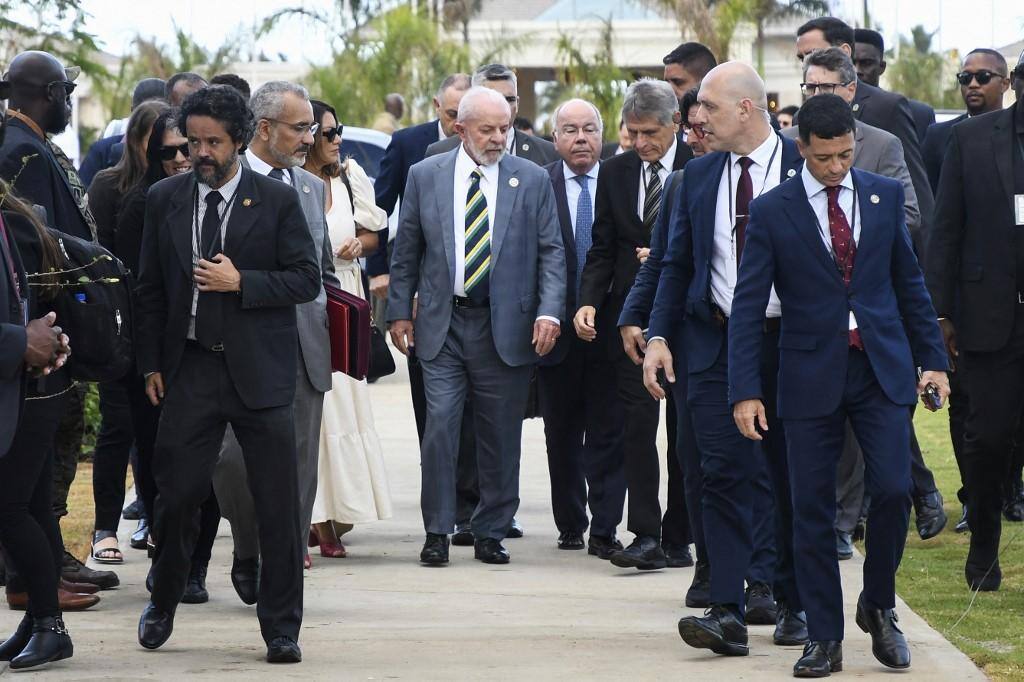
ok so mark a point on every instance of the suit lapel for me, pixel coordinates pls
(180, 217)
(243, 213)
(798, 208)
(869, 219)
(633, 187)
(444, 191)
(709, 205)
(506, 199)
(860, 100)
(683, 154)
(858, 137)
(792, 162)
(558, 181)
(1003, 148)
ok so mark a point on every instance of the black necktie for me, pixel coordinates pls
(276, 173)
(210, 236)
(209, 320)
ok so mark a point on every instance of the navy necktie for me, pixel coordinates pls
(584, 227)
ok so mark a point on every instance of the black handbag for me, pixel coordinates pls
(382, 363)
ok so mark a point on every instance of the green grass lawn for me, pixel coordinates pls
(931, 578)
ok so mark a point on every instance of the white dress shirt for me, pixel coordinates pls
(667, 162)
(263, 168)
(440, 131)
(510, 141)
(464, 167)
(573, 191)
(723, 255)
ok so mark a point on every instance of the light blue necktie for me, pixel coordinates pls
(584, 225)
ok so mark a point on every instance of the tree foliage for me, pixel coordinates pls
(595, 78)
(710, 22)
(54, 26)
(922, 74)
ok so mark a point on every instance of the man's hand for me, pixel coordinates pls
(379, 285)
(155, 387)
(350, 249)
(658, 357)
(584, 323)
(949, 337)
(940, 381)
(545, 333)
(633, 342)
(45, 342)
(402, 335)
(217, 274)
(748, 415)
(642, 253)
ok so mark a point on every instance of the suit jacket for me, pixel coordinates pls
(682, 304)
(886, 293)
(270, 244)
(923, 115)
(527, 273)
(408, 146)
(618, 230)
(891, 112)
(880, 152)
(13, 339)
(933, 149)
(103, 154)
(608, 150)
(42, 181)
(311, 317)
(528, 147)
(972, 255)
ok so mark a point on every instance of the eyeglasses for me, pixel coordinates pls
(169, 153)
(983, 77)
(812, 89)
(300, 128)
(331, 133)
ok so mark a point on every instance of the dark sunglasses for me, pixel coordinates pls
(169, 153)
(331, 133)
(983, 77)
(69, 86)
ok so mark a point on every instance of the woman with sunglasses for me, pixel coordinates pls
(352, 483)
(167, 154)
(113, 443)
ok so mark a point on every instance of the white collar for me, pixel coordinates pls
(440, 131)
(763, 154)
(812, 186)
(260, 166)
(510, 141)
(464, 165)
(570, 174)
(667, 161)
(227, 190)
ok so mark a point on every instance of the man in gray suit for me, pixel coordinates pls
(284, 134)
(479, 247)
(502, 79)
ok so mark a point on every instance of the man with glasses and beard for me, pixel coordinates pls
(227, 255)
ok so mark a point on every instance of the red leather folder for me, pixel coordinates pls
(348, 317)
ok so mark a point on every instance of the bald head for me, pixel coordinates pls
(732, 109)
(737, 81)
(41, 89)
(577, 135)
(35, 67)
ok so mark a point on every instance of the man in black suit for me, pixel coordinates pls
(629, 193)
(226, 256)
(576, 381)
(869, 58)
(686, 66)
(890, 112)
(975, 270)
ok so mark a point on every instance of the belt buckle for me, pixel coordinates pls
(217, 348)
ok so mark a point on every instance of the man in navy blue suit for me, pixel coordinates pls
(691, 311)
(857, 323)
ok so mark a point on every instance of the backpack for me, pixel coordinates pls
(93, 308)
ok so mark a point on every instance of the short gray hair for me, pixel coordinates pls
(494, 72)
(649, 97)
(459, 81)
(268, 100)
(468, 105)
(832, 59)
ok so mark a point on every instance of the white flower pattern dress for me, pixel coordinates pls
(352, 485)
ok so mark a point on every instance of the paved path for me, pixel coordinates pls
(379, 615)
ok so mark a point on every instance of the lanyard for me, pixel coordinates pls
(196, 228)
(764, 183)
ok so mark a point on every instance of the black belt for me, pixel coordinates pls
(466, 302)
(770, 326)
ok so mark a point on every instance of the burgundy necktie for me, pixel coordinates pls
(744, 194)
(843, 246)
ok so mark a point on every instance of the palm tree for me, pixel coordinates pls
(764, 12)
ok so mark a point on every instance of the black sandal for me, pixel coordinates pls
(106, 555)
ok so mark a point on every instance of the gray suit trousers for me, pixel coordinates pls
(468, 365)
(230, 481)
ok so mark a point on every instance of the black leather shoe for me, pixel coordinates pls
(490, 551)
(887, 641)
(195, 589)
(931, 518)
(463, 536)
(245, 578)
(644, 553)
(677, 556)
(761, 609)
(983, 579)
(570, 540)
(515, 531)
(283, 650)
(1013, 502)
(719, 630)
(50, 642)
(13, 645)
(844, 545)
(155, 626)
(699, 594)
(820, 659)
(962, 526)
(133, 512)
(75, 571)
(790, 627)
(435, 550)
(603, 547)
(141, 535)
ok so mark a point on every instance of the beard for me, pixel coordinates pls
(484, 157)
(296, 158)
(212, 173)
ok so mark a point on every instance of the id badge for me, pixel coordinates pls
(1018, 208)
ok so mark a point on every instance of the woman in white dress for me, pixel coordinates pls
(352, 486)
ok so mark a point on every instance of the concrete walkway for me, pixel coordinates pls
(378, 614)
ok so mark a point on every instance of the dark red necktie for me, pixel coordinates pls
(744, 195)
(843, 246)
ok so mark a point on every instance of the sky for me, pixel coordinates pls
(963, 25)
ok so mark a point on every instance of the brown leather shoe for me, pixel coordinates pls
(78, 588)
(68, 601)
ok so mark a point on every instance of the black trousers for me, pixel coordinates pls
(28, 528)
(113, 449)
(200, 402)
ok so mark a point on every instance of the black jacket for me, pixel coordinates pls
(269, 242)
(934, 148)
(13, 340)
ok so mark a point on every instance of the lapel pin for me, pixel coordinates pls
(513, 182)
(790, 173)
(246, 202)
(856, 107)
(305, 189)
(526, 147)
(874, 199)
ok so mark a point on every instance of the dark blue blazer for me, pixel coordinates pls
(408, 147)
(103, 154)
(933, 149)
(684, 288)
(887, 294)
